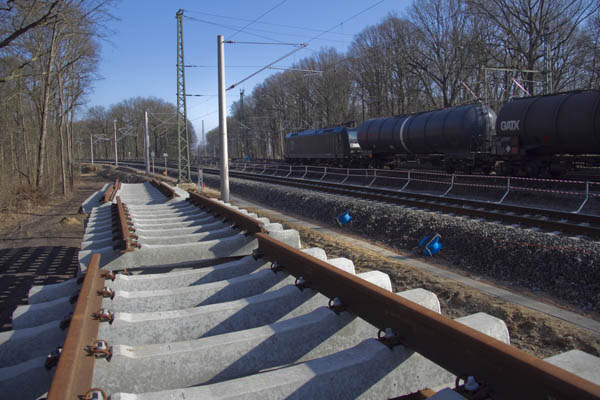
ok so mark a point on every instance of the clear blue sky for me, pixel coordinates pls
(140, 58)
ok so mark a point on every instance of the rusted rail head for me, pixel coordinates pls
(240, 220)
(73, 375)
(124, 227)
(110, 193)
(509, 373)
(165, 189)
(117, 186)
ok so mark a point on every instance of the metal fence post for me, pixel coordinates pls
(507, 190)
(347, 175)
(587, 196)
(374, 177)
(451, 186)
(324, 173)
(407, 182)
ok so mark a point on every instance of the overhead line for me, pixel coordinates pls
(343, 22)
(227, 27)
(278, 43)
(267, 66)
(227, 66)
(204, 115)
(262, 15)
(269, 23)
(250, 31)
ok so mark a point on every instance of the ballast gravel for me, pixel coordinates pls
(563, 267)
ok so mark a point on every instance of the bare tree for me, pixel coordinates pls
(443, 52)
(524, 27)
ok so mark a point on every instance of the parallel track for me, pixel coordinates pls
(549, 220)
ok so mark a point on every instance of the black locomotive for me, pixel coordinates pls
(529, 136)
(323, 146)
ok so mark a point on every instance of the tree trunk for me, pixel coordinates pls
(45, 88)
(61, 141)
(25, 141)
(70, 140)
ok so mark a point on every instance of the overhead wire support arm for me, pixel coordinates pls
(302, 46)
(272, 43)
(313, 71)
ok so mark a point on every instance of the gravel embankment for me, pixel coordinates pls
(562, 267)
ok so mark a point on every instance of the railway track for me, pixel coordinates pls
(182, 296)
(551, 220)
(572, 222)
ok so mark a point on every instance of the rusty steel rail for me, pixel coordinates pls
(108, 194)
(240, 220)
(73, 375)
(164, 189)
(509, 373)
(111, 192)
(124, 228)
(117, 188)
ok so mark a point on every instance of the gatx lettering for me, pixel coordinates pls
(509, 125)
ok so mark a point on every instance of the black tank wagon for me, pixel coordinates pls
(450, 136)
(547, 133)
(531, 136)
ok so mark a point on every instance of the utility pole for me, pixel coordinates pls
(203, 138)
(146, 143)
(92, 148)
(183, 156)
(243, 138)
(223, 121)
(115, 136)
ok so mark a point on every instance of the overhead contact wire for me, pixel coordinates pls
(262, 15)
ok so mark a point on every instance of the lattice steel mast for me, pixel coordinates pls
(183, 157)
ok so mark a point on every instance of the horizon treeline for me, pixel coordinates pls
(437, 54)
(128, 116)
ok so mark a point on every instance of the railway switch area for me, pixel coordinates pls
(189, 297)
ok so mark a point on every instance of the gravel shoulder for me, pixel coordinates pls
(523, 270)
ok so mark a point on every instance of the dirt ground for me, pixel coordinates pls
(40, 247)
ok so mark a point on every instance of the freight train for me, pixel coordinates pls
(530, 136)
